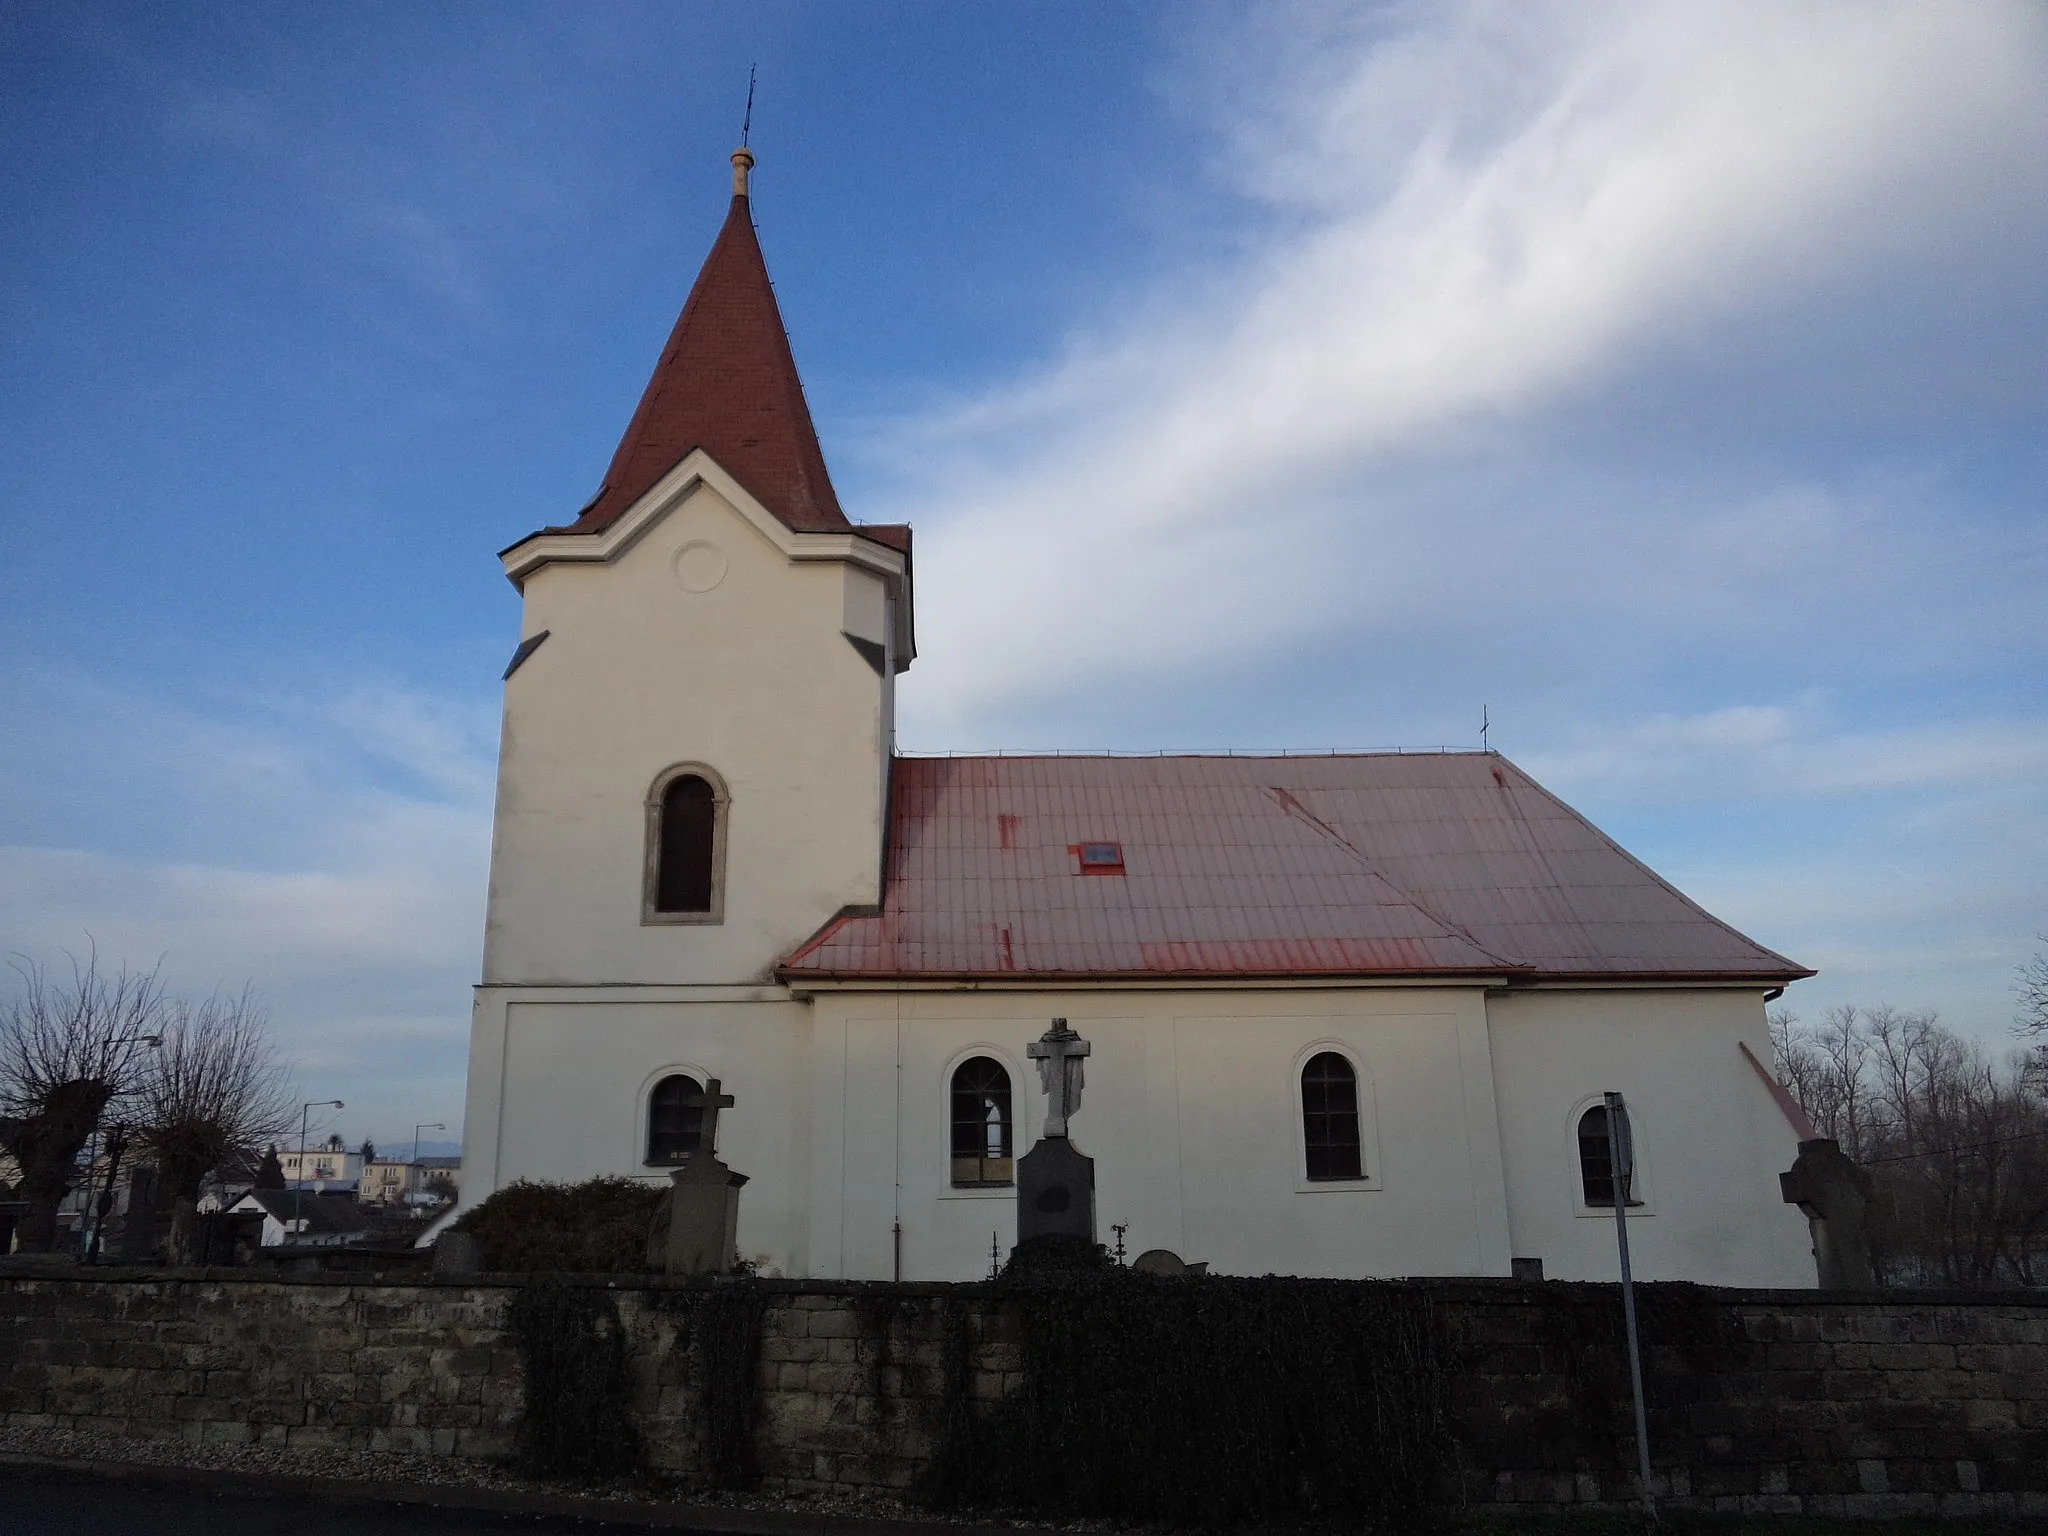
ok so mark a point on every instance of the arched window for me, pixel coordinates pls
(1329, 1117)
(1596, 1157)
(982, 1142)
(675, 1119)
(685, 847)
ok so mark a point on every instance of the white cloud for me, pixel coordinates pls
(1612, 364)
(330, 848)
(1778, 750)
(1472, 213)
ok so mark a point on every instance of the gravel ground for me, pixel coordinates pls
(450, 1471)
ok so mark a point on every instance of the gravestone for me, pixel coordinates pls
(1055, 1183)
(139, 1241)
(1055, 1192)
(695, 1230)
(1833, 1194)
(1164, 1261)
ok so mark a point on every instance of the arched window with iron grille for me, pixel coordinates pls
(1596, 1157)
(686, 812)
(983, 1139)
(675, 1119)
(1329, 1118)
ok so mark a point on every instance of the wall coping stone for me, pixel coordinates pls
(1500, 1291)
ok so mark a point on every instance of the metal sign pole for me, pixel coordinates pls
(1621, 1172)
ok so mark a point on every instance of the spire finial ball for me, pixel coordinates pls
(742, 162)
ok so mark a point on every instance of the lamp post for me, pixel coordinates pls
(1621, 1168)
(299, 1184)
(117, 1143)
(424, 1125)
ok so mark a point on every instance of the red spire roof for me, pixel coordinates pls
(726, 383)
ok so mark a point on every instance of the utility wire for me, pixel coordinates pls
(1975, 1146)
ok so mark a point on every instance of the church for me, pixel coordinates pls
(1348, 1015)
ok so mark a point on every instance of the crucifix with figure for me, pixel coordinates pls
(1058, 1053)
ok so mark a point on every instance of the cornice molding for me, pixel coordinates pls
(697, 468)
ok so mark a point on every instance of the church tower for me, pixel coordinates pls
(693, 775)
(698, 720)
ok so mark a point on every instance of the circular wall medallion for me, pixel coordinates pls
(699, 566)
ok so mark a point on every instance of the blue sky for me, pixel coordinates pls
(1669, 380)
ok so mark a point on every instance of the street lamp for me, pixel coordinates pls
(424, 1125)
(299, 1185)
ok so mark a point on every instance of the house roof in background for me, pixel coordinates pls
(1365, 865)
(322, 1212)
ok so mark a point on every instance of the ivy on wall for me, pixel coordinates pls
(724, 1323)
(1202, 1401)
(577, 1422)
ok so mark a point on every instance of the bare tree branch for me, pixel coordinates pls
(68, 1051)
(216, 1085)
(2032, 987)
(1956, 1141)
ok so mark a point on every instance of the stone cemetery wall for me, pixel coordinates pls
(1765, 1401)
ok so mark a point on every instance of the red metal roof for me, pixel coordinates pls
(1366, 865)
(726, 383)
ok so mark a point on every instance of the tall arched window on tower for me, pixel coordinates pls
(675, 1119)
(982, 1141)
(685, 847)
(1596, 1158)
(1329, 1117)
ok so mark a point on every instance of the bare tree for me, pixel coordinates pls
(1956, 1142)
(2032, 987)
(1825, 1067)
(67, 1051)
(216, 1084)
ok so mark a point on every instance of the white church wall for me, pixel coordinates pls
(1192, 1113)
(842, 1119)
(1710, 1140)
(702, 642)
(559, 1082)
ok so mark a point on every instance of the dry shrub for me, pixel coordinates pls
(597, 1227)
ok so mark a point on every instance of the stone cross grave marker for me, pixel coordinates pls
(1058, 1053)
(1055, 1183)
(696, 1226)
(712, 1101)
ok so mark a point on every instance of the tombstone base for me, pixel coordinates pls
(1058, 1256)
(696, 1226)
(1055, 1192)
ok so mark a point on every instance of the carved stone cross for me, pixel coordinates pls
(1058, 1053)
(712, 1101)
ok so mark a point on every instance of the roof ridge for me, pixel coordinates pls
(1286, 799)
(1599, 832)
